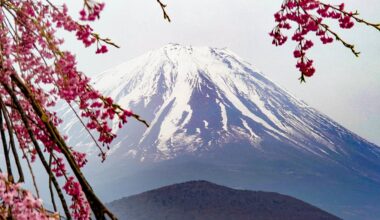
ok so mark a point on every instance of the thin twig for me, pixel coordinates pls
(50, 187)
(88, 131)
(163, 7)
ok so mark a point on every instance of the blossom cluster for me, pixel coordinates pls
(308, 17)
(79, 203)
(20, 203)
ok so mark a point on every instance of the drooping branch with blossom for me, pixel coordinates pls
(36, 74)
(308, 16)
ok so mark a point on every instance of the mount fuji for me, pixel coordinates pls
(214, 117)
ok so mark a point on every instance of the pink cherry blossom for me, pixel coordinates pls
(307, 17)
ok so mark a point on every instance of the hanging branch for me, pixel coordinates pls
(11, 141)
(5, 148)
(50, 186)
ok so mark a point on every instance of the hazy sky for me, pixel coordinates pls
(344, 87)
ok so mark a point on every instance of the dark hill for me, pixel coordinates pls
(201, 200)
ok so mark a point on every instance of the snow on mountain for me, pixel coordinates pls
(208, 103)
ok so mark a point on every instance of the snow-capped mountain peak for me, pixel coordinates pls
(201, 98)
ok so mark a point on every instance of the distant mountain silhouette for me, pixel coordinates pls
(202, 200)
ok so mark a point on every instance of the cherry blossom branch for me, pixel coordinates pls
(309, 16)
(337, 37)
(354, 16)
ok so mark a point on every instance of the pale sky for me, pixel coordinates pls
(345, 88)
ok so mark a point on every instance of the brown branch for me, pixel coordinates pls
(11, 141)
(6, 151)
(105, 40)
(163, 7)
(138, 118)
(50, 187)
(338, 38)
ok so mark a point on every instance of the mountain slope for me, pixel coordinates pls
(214, 117)
(203, 200)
